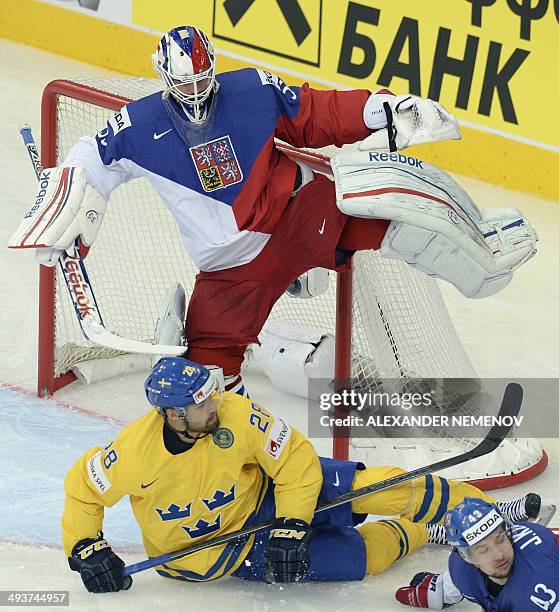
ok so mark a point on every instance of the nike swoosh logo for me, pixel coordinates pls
(337, 481)
(149, 484)
(157, 136)
(321, 230)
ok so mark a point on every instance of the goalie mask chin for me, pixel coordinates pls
(192, 134)
(185, 62)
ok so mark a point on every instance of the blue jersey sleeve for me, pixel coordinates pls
(287, 98)
(114, 155)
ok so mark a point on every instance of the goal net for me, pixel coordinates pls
(389, 321)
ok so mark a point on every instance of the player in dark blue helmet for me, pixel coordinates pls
(497, 564)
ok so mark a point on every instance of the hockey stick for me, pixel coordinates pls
(81, 292)
(510, 407)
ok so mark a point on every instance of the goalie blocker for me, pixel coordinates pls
(435, 226)
(64, 209)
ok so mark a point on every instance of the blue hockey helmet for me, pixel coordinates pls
(177, 383)
(185, 61)
(470, 522)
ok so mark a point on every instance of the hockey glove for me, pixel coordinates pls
(423, 592)
(403, 121)
(65, 208)
(99, 567)
(286, 557)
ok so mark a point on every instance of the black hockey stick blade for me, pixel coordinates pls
(510, 407)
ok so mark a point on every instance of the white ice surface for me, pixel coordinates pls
(512, 334)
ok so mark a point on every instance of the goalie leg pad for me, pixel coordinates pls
(436, 256)
(436, 227)
(170, 324)
(234, 384)
(292, 356)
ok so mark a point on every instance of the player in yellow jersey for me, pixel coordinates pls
(207, 463)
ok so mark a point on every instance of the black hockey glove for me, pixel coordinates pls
(99, 567)
(286, 557)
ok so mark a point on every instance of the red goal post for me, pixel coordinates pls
(388, 320)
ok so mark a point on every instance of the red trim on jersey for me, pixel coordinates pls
(261, 204)
(325, 118)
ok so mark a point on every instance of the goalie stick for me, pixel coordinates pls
(510, 407)
(81, 292)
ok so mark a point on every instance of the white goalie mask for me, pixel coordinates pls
(185, 62)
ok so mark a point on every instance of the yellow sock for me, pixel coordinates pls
(387, 541)
(425, 499)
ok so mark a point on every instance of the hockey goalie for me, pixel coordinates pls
(254, 220)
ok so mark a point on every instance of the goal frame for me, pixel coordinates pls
(48, 383)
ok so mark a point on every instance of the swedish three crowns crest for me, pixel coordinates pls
(216, 163)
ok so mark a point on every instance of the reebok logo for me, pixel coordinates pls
(79, 289)
(44, 183)
(157, 136)
(396, 157)
(92, 216)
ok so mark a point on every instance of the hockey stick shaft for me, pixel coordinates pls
(81, 292)
(510, 407)
(29, 143)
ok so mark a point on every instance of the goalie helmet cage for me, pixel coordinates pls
(388, 320)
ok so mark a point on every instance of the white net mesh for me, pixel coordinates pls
(400, 329)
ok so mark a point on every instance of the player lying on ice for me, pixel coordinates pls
(252, 219)
(502, 565)
(206, 463)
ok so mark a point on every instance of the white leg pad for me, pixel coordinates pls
(435, 226)
(169, 326)
(291, 355)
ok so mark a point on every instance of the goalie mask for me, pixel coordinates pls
(185, 62)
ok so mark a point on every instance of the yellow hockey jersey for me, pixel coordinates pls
(211, 489)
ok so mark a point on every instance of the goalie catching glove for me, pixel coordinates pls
(65, 208)
(286, 558)
(99, 567)
(403, 121)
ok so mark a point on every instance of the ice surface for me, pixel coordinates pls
(512, 334)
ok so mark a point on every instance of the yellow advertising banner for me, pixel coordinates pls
(491, 62)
